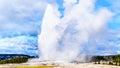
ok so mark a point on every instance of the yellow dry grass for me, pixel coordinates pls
(29, 67)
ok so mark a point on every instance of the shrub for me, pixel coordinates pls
(14, 60)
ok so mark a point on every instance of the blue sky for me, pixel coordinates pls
(20, 23)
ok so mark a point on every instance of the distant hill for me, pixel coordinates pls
(8, 56)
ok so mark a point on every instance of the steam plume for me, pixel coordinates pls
(63, 38)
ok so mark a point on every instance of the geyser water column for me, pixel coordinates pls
(48, 37)
(52, 30)
(63, 39)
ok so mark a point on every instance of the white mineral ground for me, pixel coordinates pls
(59, 64)
(90, 65)
(81, 65)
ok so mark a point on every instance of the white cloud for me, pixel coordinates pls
(18, 45)
(21, 16)
(115, 5)
(108, 41)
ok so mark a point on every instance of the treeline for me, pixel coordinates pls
(14, 60)
(111, 59)
(8, 56)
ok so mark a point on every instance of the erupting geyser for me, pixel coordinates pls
(63, 38)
